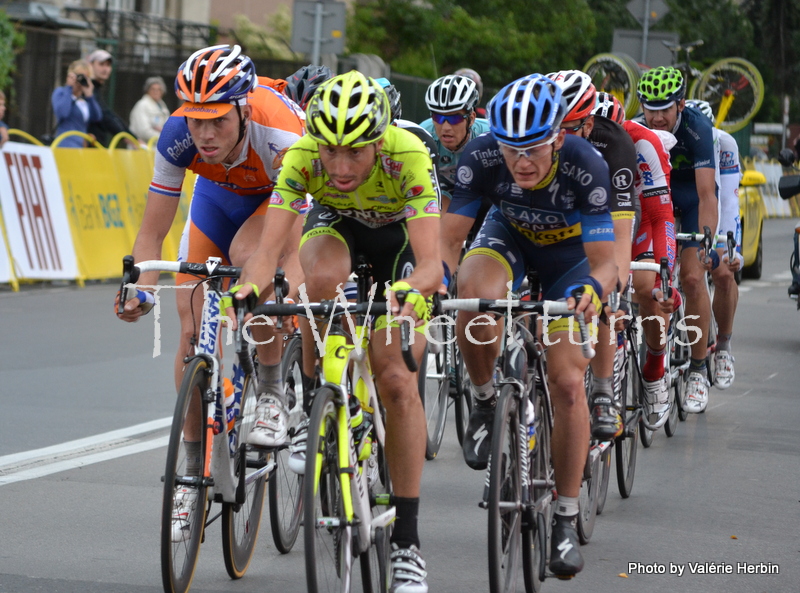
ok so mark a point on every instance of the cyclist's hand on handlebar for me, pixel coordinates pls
(415, 306)
(667, 305)
(737, 264)
(239, 293)
(590, 303)
(137, 304)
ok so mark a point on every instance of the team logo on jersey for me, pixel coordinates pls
(391, 167)
(295, 185)
(304, 173)
(382, 199)
(180, 145)
(276, 199)
(445, 159)
(408, 269)
(432, 207)
(598, 197)
(623, 179)
(501, 188)
(410, 211)
(415, 191)
(316, 165)
(327, 215)
(298, 205)
(278, 160)
(465, 175)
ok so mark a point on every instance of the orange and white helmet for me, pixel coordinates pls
(577, 90)
(213, 80)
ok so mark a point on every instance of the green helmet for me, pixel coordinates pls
(660, 87)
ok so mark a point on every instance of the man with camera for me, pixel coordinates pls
(110, 124)
(75, 105)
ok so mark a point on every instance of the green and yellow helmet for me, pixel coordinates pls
(348, 110)
(660, 87)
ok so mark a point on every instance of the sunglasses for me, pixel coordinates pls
(576, 128)
(453, 120)
(533, 153)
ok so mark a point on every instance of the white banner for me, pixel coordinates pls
(34, 213)
(5, 265)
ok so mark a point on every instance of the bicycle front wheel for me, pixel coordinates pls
(627, 443)
(241, 522)
(505, 496)
(605, 474)
(434, 389)
(183, 510)
(461, 394)
(285, 486)
(327, 534)
(734, 89)
(587, 499)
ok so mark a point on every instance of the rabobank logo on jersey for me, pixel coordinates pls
(177, 148)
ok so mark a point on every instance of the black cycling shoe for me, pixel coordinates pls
(565, 553)
(794, 288)
(606, 421)
(478, 437)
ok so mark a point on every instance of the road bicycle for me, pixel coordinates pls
(219, 411)
(435, 385)
(520, 483)
(347, 512)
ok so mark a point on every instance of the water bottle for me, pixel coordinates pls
(228, 400)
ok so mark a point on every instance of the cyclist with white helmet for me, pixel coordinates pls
(654, 239)
(232, 132)
(726, 295)
(453, 123)
(476, 78)
(661, 92)
(550, 211)
(373, 195)
(617, 149)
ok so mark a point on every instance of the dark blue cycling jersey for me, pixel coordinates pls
(570, 206)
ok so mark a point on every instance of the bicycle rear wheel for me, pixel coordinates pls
(375, 562)
(434, 388)
(605, 469)
(587, 499)
(736, 79)
(505, 496)
(241, 522)
(183, 522)
(536, 539)
(328, 539)
(627, 443)
(285, 486)
(617, 74)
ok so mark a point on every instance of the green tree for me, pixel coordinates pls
(11, 42)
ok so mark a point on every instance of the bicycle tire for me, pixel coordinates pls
(605, 468)
(737, 77)
(505, 495)
(680, 355)
(541, 471)
(587, 499)
(434, 390)
(241, 522)
(462, 397)
(671, 425)
(626, 444)
(179, 559)
(285, 486)
(328, 545)
(614, 73)
(645, 434)
(375, 563)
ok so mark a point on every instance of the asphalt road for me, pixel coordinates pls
(83, 515)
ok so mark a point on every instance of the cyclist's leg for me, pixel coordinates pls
(493, 260)
(726, 298)
(693, 282)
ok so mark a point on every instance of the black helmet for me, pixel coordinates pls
(302, 84)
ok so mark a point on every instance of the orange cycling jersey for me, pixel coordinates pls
(275, 125)
(399, 187)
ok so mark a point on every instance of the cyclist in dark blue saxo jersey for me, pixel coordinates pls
(550, 211)
(694, 194)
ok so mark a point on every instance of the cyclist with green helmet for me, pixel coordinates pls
(373, 195)
(662, 93)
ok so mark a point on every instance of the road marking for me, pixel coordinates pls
(731, 398)
(28, 465)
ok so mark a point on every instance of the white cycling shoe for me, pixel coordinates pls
(656, 394)
(723, 365)
(182, 510)
(696, 393)
(270, 428)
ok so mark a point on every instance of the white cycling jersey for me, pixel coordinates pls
(728, 175)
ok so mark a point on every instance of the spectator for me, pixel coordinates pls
(111, 124)
(3, 125)
(75, 105)
(150, 113)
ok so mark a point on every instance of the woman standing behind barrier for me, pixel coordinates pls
(150, 113)
(74, 104)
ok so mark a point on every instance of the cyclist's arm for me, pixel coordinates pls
(602, 264)
(455, 228)
(423, 233)
(707, 192)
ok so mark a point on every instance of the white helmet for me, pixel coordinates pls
(452, 93)
(703, 107)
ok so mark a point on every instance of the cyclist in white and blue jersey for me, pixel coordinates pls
(662, 93)
(726, 295)
(550, 211)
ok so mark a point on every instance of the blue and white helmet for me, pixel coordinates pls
(528, 110)
(703, 107)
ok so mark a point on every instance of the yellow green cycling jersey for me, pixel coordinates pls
(399, 187)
